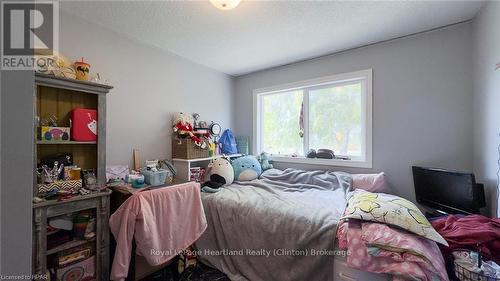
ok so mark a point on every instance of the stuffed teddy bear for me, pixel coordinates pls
(220, 173)
(265, 161)
(183, 126)
(246, 168)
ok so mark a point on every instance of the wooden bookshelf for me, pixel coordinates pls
(55, 96)
(64, 142)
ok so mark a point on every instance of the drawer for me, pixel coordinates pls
(70, 207)
(344, 273)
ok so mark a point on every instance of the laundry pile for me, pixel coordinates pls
(472, 232)
(473, 262)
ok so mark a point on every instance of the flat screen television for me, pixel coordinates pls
(448, 191)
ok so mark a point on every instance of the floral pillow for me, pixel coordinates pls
(390, 209)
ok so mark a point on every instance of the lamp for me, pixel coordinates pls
(225, 4)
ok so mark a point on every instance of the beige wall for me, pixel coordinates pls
(422, 100)
(487, 100)
(150, 85)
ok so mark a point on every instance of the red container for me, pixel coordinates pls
(83, 124)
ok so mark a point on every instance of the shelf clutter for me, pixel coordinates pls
(70, 196)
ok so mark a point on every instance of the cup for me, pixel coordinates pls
(82, 70)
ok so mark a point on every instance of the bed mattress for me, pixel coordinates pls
(280, 227)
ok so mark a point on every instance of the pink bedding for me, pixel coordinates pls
(379, 248)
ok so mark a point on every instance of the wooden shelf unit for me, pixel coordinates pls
(65, 142)
(55, 96)
(184, 166)
(68, 245)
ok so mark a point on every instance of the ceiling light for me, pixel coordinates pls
(225, 4)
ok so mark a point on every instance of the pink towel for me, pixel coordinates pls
(163, 222)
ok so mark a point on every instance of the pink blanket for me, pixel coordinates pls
(379, 248)
(163, 222)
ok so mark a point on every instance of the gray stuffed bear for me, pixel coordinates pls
(265, 161)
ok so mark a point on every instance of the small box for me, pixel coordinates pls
(84, 124)
(72, 186)
(55, 133)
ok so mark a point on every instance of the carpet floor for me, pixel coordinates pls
(202, 272)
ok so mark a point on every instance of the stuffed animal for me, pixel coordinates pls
(183, 126)
(220, 173)
(246, 168)
(265, 161)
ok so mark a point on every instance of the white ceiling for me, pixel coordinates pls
(263, 34)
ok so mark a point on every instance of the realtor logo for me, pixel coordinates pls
(28, 28)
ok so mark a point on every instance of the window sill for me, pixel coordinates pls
(323, 162)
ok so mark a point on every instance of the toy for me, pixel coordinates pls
(55, 64)
(246, 168)
(183, 126)
(265, 161)
(220, 173)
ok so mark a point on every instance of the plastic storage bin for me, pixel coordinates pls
(156, 178)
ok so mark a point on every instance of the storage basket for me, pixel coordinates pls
(186, 149)
(463, 274)
(157, 178)
(70, 185)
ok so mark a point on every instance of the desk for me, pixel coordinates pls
(138, 268)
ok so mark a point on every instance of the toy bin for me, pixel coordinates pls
(84, 124)
(156, 178)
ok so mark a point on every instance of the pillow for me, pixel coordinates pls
(246, 168)
(390, 209)
(370, 182)
(220, 170)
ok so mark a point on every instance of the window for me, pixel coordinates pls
(331, 112)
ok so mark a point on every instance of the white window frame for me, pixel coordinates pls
(365, 76)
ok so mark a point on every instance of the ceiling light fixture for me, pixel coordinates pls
(225, 4)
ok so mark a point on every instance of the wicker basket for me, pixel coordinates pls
(463, 274)
(186, 149)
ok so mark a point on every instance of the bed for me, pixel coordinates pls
(279, 227)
